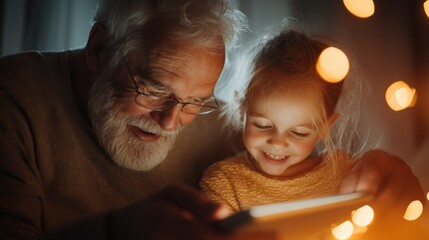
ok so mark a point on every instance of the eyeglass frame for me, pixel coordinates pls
(173, 98)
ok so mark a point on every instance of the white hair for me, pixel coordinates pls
(202, 22)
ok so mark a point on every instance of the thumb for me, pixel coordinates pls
(350, 181)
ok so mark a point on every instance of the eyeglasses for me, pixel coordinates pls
(151, 98)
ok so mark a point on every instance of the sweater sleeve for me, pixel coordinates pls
(23, 194)
(20, 188)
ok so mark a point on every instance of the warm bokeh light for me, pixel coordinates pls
(426, 7)
(333, 64)
(427, 196)
(414, 211)
(414, 97)
(359, 230)
(400, 96)
(360, 8)
(363, 216)
(343, 231)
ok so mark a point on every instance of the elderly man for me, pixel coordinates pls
(87, 135)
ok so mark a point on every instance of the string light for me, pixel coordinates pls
(426, 7)
(363, 216)
(413, 97)
(366, 8)
(400, 96)
(333, 65)
(343, 231)
(360, 8)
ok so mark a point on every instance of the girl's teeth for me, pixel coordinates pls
(275, 157)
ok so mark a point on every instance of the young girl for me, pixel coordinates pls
(286, 116)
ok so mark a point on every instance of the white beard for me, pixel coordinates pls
(121, 145)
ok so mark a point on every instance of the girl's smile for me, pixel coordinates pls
(275, 159)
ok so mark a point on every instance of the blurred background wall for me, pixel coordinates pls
(391, 45)
(44, 24)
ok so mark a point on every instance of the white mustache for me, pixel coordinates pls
(148, 125)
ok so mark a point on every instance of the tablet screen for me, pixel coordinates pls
(291, 218)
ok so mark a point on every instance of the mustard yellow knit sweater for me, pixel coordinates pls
(235, 183)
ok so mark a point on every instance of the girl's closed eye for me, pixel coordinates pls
(261, 126)
(298, 134)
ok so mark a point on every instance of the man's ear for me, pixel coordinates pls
(95, 47)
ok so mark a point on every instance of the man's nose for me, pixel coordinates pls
(168, 119)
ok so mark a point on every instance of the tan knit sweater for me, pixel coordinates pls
(233, 182)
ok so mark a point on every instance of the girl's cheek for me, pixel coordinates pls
(308, 146)
(253, 138)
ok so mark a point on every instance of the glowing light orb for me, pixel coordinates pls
(333, 65)
(427, 196)
(400, 96)
(426, 7)
(414, 210)
(414, 97)
(360, 8)
(343, 231)
(363, 216)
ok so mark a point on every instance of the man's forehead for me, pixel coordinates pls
(188, 70)
(167, 61)
(179, 56)
(168, 54)
(160, 55)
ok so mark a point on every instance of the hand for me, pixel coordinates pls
(177, 212)
(392, 183)
(388, 178)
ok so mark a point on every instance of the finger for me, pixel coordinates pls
(364, 177)
(374, 169)
(194, 203)
(370, 180)
(350, 181)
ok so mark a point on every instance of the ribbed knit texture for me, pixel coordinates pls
(239, 186)
(235, 183)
